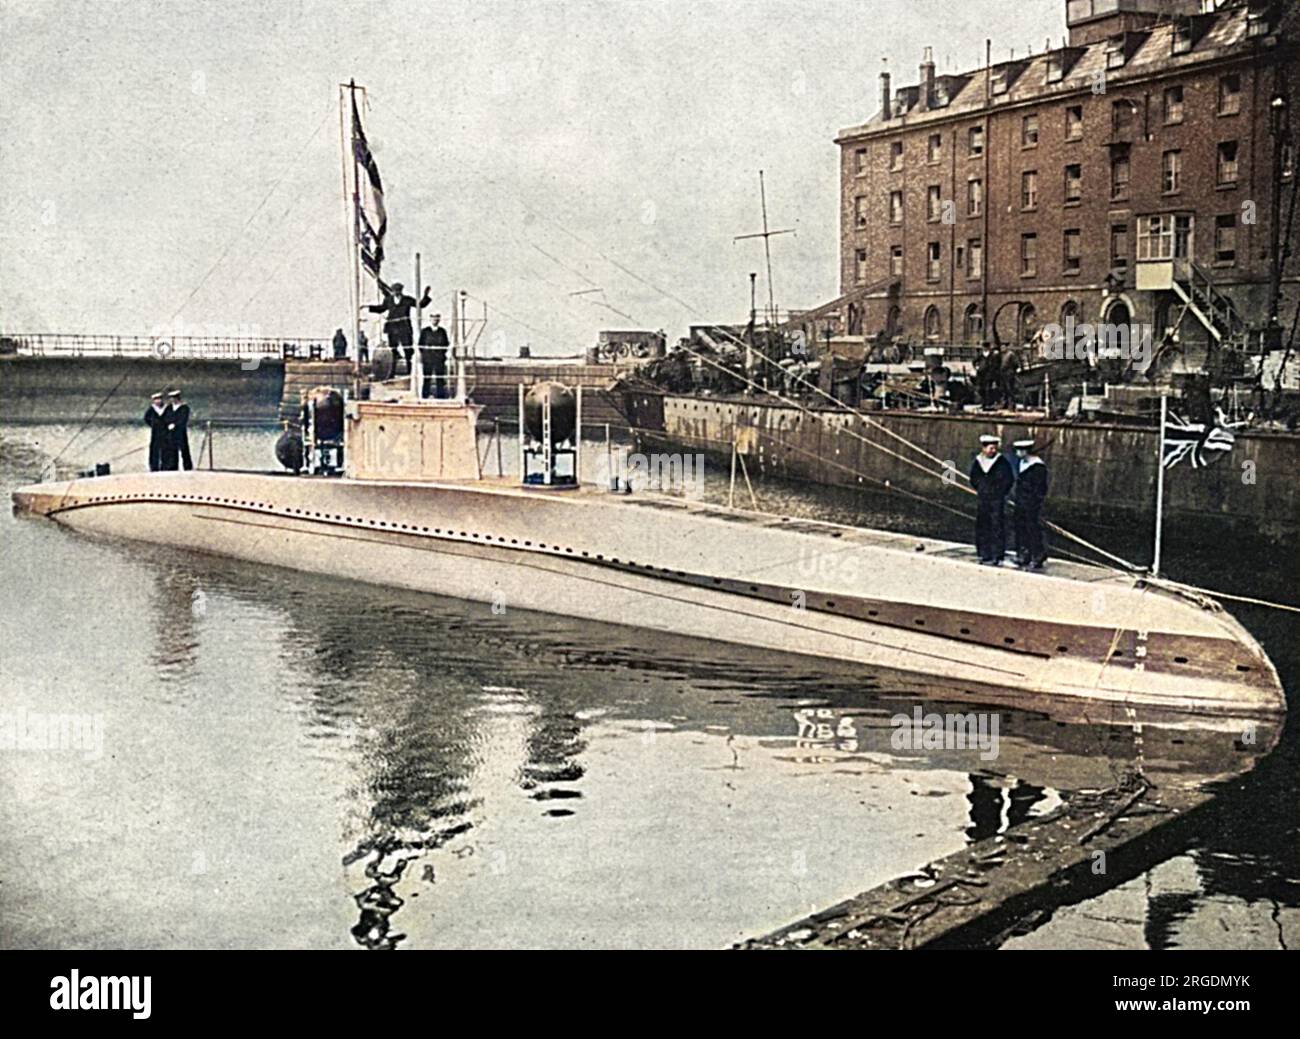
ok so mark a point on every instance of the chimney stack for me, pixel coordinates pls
(927, 81)
(886, 94)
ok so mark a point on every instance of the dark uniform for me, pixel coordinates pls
(993, 487)
(340, 345)
(1031, 493)
(433, 359)
(180, 433)
(157, 421)
(397, 324)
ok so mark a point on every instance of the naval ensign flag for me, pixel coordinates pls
(372, 219)
(1198, 441)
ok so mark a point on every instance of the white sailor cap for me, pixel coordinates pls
(1027, 445)
(989, 438)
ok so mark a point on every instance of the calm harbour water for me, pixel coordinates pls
(293, 761)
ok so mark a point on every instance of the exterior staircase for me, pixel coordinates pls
(1193, 285)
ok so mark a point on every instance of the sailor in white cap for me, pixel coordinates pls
(180, 428)
(157, 417)
(1027, 514)
(992, 477)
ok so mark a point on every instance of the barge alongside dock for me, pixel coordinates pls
(1106, 466)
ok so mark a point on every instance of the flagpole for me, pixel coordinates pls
(354, 321)
(356, 216)
(417, 360)
(355, 245)
(1160, 484)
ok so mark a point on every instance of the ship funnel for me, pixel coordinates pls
(550, 425)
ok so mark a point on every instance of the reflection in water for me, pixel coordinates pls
(177, 603)
(483, 704)
(428, 773)
(998, 803)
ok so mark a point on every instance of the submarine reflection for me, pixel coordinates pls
(527, 780)
(521, 780)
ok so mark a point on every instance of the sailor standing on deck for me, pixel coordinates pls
(397, 307)
(180, 428)
(1031, 492)
(157, 418)
(992, 477)
(433, 358)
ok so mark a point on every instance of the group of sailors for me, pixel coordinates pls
(168, 419)
(1024, 481)
(434, 344)
(396, 307)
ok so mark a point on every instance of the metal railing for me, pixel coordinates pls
(162, 347)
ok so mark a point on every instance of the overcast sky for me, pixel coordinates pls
(177, 163)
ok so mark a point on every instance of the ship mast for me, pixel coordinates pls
(351, 204)
(767, 235)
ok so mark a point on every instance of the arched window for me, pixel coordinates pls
(855, 320)
(1068, 311)
(894, 322)
(973, 324)
(1027, 323)
(933, 323)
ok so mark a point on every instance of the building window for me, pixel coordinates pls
(976, 140)
(1182, 38)
(933, 323)
(860, 161)
(1174, 108)
(860, 212)
(1026, 323)
(1119, 247)
(934, 203)
(860, 266)
(1121, 171)
(1073, 251)
(894, 321)
(1172, 172)
(1028, 255)
(934, 149)
(896, 156)
(1228, 162)
(1029, 131)
(1073, 183)
(896, 261)
(975, 258)
(1230, 94)
(895, 207)
(1121, 117)
(1225, 239)
(932, 269)
(973, 324)
(1074, 123)
(1165, 236)
(1029, 189)
(974, 197)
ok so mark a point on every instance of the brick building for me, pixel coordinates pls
(1141, 173)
